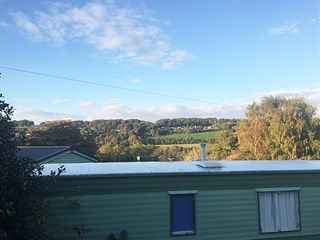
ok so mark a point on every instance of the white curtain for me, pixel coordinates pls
(279, 211)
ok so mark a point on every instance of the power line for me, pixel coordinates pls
(103, 84)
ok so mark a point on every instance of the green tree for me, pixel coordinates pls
(225, 146)
(191, 153)
(23, 214)
(61, 133)
(169, 153)
(23, 123)
(279, 128)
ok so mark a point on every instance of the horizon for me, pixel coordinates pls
(151, 60)
(121, 119)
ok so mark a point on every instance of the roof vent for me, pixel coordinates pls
(209, 164)
(203, 152)
(203, 161)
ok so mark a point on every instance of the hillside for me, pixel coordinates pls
(124, 139)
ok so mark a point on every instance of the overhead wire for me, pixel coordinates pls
(104, 85)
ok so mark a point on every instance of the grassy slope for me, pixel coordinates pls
(200, 136)
(187, 145)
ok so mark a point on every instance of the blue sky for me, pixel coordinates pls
(212, 57)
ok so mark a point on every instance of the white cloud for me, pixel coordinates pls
(135, 80)
(3, 24)
(31, 29)
(284, 29)
(127, 33)
(59, 101)
(38, 116)
(27, 100)
(311, 95)
(114, 109)
(175, 56)
(84, 104)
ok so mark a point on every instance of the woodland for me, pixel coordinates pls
(274, 128)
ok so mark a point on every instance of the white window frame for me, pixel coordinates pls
(279, 210)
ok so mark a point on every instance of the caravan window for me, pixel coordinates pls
(279, 211)
(182, 214)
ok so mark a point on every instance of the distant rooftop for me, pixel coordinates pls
(168, 168)
(40, 153)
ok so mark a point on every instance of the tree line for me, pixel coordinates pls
(275, 128)
(117, 140)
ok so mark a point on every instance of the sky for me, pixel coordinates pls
(154, 59)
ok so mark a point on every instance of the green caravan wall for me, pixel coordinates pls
(69, 157)
(226, 205)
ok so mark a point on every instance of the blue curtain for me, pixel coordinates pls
(182, 214)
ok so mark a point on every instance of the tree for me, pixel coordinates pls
(23, 214)
(169, 153)
(279, 128)
(23, 123)
(225, 145)
(61, 133)
(191, 153)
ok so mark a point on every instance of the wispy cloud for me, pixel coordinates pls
(135, 80)
(115, 109)
(84, 104)
(59, 101)
(291, 28)
(26, 100)
(308, 93)
(38, 116)
(3, 24)
(311, 95)
(126, 33)
(32, 30)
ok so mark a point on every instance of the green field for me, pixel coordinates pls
(187, 145)
(197, 136)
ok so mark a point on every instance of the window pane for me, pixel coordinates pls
(289, 211)
(182, 214)
(267, 212)
(279, 211)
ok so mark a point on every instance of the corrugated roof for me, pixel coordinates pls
(40, 153)
(165, 168)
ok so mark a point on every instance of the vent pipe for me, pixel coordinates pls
(203, 152)
(203, 161)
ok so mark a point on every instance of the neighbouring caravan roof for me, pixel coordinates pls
(173, 168)
(53, 154)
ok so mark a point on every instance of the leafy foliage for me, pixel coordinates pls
(279, 128)
(225, 146)
(23, 123)
(123, 140)
(57, 133)
(23, 214)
